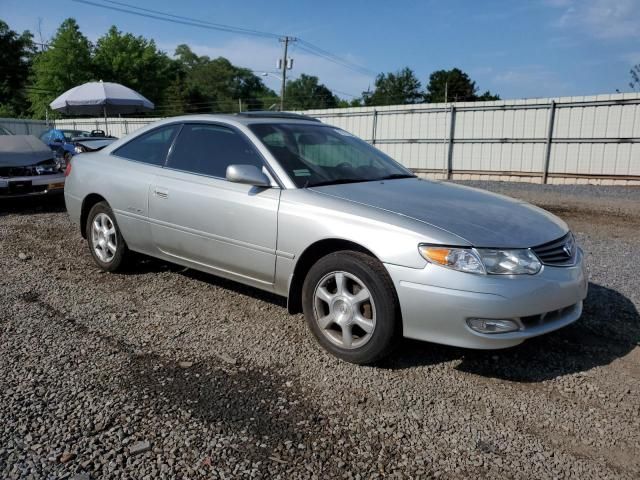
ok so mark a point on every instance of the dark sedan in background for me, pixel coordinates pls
(28, 167)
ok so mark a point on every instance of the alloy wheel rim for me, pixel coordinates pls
(104, 238)
(344, 310)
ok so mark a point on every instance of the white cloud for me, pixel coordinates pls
(604, 19)
(262, 55)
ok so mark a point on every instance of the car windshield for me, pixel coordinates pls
(315, 155)
(69, 134)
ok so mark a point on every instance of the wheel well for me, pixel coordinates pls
(87, 204)
(311, 255)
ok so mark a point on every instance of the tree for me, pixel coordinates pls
(134, 62)
(635, 77)
(354, 102)
(65, 64)
(395, 89)
(217, 85)
(305, 93)
(457, 85)
(16, 52)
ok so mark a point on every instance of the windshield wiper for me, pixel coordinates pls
(396, 175)
(338, 181)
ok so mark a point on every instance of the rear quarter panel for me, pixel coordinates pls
(124, 184)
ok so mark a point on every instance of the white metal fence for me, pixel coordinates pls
(24, 127)
(555, 140)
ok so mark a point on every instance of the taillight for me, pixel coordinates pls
(67, 169)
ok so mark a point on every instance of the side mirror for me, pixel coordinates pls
(247, 174)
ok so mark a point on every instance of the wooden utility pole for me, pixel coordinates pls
(284, 64)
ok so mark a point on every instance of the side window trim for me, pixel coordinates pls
(173, 144)
(234, 129)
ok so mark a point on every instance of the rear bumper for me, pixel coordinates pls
(17, 187)
(437, 302)
(74, 207)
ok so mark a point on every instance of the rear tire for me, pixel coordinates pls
(351, 307)
(107, 247)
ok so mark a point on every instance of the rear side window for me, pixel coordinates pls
(208, 149)
(151, 147)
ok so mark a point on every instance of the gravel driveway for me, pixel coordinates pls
(168, 373)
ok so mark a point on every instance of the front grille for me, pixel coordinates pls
(548, 317)
(557, 253)
(23, 189)
(48, 167)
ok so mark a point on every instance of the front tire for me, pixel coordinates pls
(351, 307)
(107, 247)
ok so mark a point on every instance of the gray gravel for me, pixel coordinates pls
(169, 373)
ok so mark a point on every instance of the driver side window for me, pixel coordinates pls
(208, 149)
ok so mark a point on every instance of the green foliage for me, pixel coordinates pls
(395, 88)
(305, 93)
(457, 85)
(354, 102)
(134, 62)
(65, 64)
(211, 85)
(16, 52)
(188, 83)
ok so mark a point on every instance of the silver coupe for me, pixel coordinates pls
(369, 252)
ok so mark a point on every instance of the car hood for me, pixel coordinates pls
(481, 218)
(94, 143)
(22, 150)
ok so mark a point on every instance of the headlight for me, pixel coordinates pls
(79, 149)
(491, 261)
(510, 262)
(462, 259)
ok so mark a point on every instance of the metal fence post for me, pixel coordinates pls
(374, 126)
(452, 132)
(547, 151)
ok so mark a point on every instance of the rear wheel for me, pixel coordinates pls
(106, 244)
(351, 307)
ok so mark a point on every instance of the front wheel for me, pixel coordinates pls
(350, 306)
(107, 247)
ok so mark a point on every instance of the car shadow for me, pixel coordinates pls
(236, 287)
(32, 205)
(144, 264)
(608, 329)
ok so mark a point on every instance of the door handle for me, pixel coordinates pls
(161, 192)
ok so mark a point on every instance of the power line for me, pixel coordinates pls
(194, 22)
(315, 50)
(228, 28)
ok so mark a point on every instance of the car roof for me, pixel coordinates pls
(247, 118)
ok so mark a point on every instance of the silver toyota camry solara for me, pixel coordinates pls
(366, 250)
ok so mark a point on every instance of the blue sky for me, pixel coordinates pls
(516, 48)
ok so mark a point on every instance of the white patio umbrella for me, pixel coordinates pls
(101, 98)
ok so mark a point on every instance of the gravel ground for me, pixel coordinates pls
(168, 373)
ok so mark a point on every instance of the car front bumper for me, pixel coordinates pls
(31, 186)
(436, 303)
